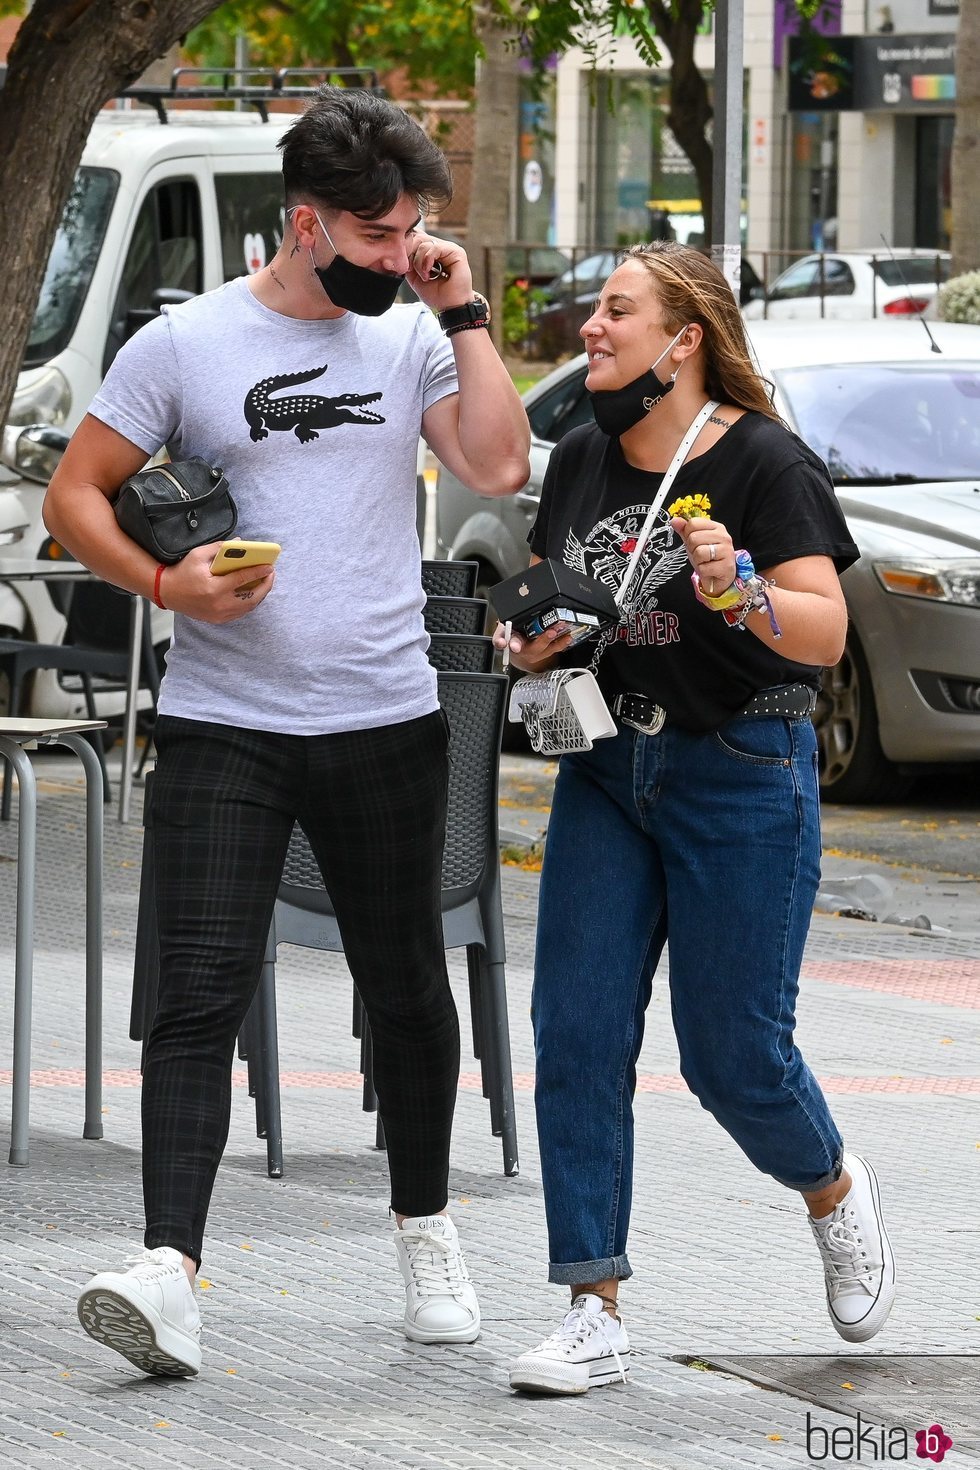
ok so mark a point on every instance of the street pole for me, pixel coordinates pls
(726, 209)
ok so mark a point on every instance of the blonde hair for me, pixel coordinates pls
(693, 290)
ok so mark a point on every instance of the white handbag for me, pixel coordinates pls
(563, 709)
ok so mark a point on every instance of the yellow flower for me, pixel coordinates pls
(691, 507)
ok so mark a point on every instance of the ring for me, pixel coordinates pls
(711, 551)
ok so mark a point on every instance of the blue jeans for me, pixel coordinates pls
(711, 844)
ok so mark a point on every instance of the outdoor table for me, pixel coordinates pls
(13, 569)
(16, 737)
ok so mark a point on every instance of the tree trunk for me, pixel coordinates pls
(966, 142)
(68, 58)
(689, 109)
(495, 138)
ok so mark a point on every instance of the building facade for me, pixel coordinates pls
(847, 136)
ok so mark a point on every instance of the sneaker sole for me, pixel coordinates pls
(539, 1380)
(450, 1335)
(150, 1345)
(872, 1324)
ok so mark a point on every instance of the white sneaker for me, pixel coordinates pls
(858, 1264)
(589, 1349)
(440, 1303)
(147, 1313)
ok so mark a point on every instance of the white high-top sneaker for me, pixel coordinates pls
(858, 1264)
(589, 1349)
(440, 1303)
(147, 1313)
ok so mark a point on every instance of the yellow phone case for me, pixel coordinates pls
(237, 554)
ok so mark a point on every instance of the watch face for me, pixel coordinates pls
(484, 302)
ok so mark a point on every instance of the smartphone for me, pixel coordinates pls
(236, 554)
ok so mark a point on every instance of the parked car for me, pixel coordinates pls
(567, 301)
(851, 286)
(899, 427)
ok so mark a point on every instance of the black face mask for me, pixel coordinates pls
(619, 409)
(354, 287)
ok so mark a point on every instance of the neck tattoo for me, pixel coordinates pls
(272, 273)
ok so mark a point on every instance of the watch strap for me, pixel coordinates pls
(475, 311)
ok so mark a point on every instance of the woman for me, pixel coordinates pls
(699, 818)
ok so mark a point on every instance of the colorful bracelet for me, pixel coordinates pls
(156, 586)
(748, 593)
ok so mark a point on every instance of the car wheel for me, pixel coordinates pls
(853, 767)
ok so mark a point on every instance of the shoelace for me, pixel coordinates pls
(576, 1326)
(846, 1261)
(434, 1262)
(147, 1268)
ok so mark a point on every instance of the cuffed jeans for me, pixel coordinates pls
(373, 806)
(710, 844)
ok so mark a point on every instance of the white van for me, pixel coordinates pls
(166, 203)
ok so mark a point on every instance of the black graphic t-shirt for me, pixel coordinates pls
(771, 492)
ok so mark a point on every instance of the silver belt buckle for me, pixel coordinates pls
(655, 725)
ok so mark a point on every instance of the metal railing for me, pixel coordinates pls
(542, 317)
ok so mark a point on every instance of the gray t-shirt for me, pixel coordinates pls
(316, 426)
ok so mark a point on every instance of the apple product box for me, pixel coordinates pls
(551, 592)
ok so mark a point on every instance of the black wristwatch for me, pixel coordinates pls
(474, 313)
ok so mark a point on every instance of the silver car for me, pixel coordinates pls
(899, 427)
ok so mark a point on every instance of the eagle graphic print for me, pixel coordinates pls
(604, 555)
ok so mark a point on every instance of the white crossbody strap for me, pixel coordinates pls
(683, 450)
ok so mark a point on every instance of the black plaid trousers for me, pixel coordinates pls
(373, 806)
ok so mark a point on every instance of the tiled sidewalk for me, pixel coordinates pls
(304, 1361)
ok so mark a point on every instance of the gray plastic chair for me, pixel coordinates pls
(450, 578)
(471, 909)
(461, 653)
(455, 615)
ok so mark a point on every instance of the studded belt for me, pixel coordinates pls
(791, 701)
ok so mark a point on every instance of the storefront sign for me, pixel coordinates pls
(890, 73)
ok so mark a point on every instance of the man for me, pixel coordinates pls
(301, 693)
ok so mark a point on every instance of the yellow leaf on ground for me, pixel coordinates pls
(774, 1436)
(245, 1246)
(204, 1283)
(57, 1434)
(161, 1424)
(847, 1385)
(232, 1371)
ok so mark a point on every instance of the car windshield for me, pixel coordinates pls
(71, 263)
(889, 422)
(912, 270)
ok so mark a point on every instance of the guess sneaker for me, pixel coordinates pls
(440, 1303)
(858, 1264)
(589, 1349)
(147, 1313)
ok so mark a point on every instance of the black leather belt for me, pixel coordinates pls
(790, 701)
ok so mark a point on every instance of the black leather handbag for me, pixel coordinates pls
(169, 509)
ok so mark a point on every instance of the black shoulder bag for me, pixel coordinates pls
(169, 509)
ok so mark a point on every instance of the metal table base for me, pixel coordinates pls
(14, 736)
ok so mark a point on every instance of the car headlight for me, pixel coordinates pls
(46, 400)
(938, 581)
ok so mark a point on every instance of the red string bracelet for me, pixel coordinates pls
(156, 586)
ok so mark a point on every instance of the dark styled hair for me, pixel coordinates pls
(355, 151)
(691, 288)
